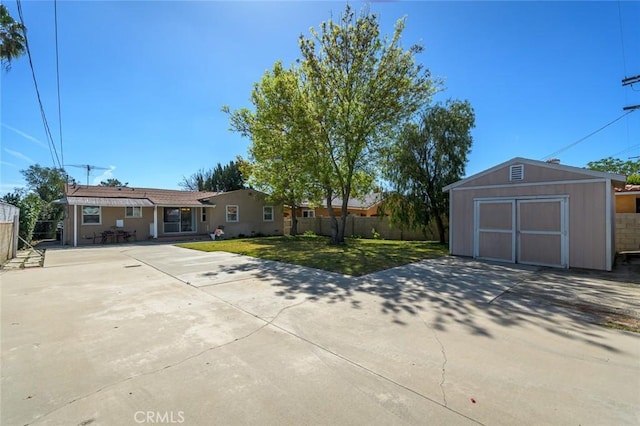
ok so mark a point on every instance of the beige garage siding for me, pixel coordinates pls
(587, 246)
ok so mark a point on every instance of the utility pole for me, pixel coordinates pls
(628, 81)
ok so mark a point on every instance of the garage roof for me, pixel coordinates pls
(617, 179)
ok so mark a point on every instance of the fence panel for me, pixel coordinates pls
(364, 227)
(9, 226)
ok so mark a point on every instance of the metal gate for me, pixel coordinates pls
(530, 231)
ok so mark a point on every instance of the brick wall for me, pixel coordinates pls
(627, 231)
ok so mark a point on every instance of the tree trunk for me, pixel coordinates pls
(440, 226)
(335, 232)
(294, 223)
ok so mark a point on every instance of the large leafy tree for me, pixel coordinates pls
(429, 155)
(12, 38)
(30, 206)
(362, 86)
(279, 163)
(218, 179)
(48, 184)
(355, 90)
(616, 165)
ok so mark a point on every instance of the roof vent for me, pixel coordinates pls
(553, 161)
(516, 172)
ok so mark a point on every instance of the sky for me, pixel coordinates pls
(142, 83)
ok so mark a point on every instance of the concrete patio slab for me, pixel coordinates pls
(140, 333)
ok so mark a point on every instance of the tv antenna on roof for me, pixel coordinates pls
(88, 167)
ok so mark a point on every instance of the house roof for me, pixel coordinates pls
(107, 202)
(628, 188)
(365, 202)
(619, 179)
(127, 196)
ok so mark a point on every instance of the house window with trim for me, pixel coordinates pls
(308, 213)
(91, 215)
(133, 212)
(232, 213)
(203, 216)
(267, 213)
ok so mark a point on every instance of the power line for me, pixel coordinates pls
(47, 130)
(624, 59)
(55, 19)
(586, 137)
(631, 148)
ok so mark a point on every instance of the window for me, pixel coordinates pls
(267, 213)
(232, 214)
(516, 172)
(179, 219)
(637, 204)
(91, 215)
(308, 213)
(133, 211)
(203, 215)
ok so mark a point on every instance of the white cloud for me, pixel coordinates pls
(19, 155)
(26, 136)
(107, 174)
(7, 164)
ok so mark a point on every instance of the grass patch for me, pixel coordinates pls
(619, 325)
(356, 257)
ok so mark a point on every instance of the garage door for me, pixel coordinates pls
(495, 230)
(541, 232)
(530, 231)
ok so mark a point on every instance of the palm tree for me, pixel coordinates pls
(12, 38)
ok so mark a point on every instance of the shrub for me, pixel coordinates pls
(633, 179)
(376, 234)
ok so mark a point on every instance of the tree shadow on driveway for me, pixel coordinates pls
(452, 290)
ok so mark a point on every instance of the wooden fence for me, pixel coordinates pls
(9, 226)
(363, 227)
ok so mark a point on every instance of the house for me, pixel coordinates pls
(628, 218)
(534, 212)
(147, 213)
(628, 199)
(366, 206)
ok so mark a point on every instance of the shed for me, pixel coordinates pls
(537, 213)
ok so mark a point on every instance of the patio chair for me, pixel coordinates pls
(130, 235)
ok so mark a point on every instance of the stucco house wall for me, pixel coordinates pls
(199, 213)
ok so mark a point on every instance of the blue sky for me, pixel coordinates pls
(142, 83)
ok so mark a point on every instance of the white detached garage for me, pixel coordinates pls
(534, 212)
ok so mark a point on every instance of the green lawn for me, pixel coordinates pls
(356, 257)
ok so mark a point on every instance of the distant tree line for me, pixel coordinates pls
(218, 179)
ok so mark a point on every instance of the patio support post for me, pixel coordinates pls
(155, 221)
(75, 226)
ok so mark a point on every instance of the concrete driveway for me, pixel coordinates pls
(155, 334)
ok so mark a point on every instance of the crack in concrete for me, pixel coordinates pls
(519, 282)
(444, 365)
(444, 362)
